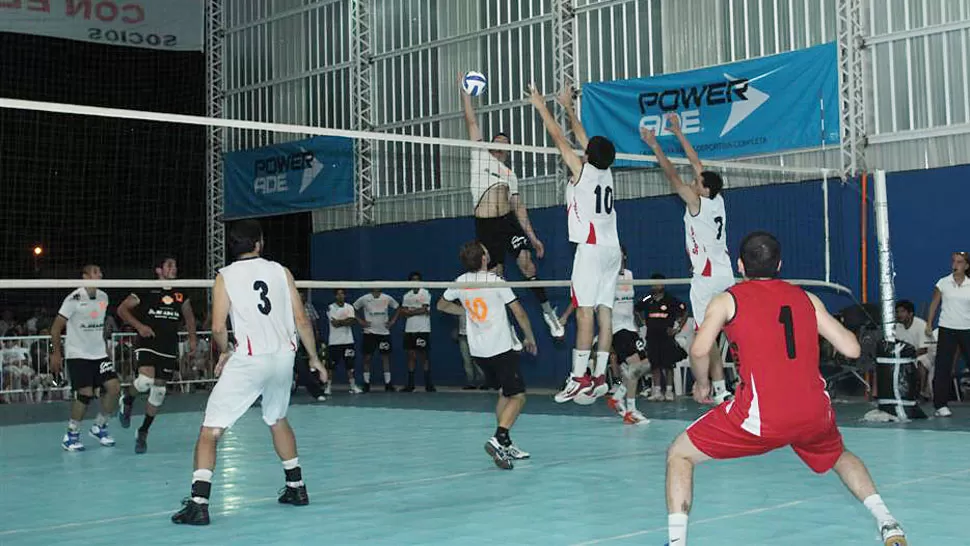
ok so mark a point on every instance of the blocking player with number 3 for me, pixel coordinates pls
(490, 343)
(267, 313)
(705, 228)
(591, 222)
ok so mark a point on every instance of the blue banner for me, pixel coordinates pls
(289, 177)
(759, 106)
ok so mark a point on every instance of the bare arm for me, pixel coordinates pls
(695, 160)
(522, 215)
(842, 339)
(529, 343)
(126, 312)
(934, 306)
(190, 324)
(566, 100)
(220, 314)
(555, 131)
(720, 310)
(450, 307)
(564, 318)
(474, 132)
(57, 356)
(690, 198)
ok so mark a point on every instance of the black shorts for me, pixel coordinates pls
(663, 352)
(502, 371)
(502, 235)
(341, 353)
(164, 366)
(376, 342)
(627, 344)
(417, 341)
(90, 373)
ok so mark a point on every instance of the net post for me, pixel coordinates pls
(886, 288)
(826, 227)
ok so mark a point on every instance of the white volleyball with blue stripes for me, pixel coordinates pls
(474, 83)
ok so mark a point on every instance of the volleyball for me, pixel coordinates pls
(474, 83)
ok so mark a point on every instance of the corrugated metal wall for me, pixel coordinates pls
(288, 61)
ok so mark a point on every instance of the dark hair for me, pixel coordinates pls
(600, 152)
(761, 255)
(658, 276)
(713, 182)
(162, 258)
(414, 274)
(335, 290)
(502, 134)
(243, 236)
(87, 269)
(471, 254)
(907, 305)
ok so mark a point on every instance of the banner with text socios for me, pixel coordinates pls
(759, 106)
(289, 177)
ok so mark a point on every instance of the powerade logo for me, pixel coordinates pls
(271, 172)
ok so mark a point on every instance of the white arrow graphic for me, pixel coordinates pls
(740, 110)
(309, 175)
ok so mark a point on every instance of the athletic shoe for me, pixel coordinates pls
(366, 387)
(101, 435)
(555, 328)
(722, 397)
(354, 389)
(618, 406)
(575, 386)
(598, 389)
(516, 453)
(389, 387)
(141, 442)
(943, 412)
(72, 441)
(192, 513)
(669, 395)
(500, 455)
(635, 418)
(655, 395)
(321, 398)
(327, 391)
(124, 416)
(892, 534)
(296, 496)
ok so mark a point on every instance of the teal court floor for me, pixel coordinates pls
(401, 469)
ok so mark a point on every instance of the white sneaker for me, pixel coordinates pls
(720, 397)
(635, 418)
(575, 387)
(354, 389)
(892, 534)
(321, 398)
(598, 389)
(655, 395)
(101, 435)
(944, 412)
(516, 453)
(669, 395)
(327, 391)
(556, 329)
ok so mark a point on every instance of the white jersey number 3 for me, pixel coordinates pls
(266, 306)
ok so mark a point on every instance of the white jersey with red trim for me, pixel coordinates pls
(260, 306)
(589, 208)
(706, 235)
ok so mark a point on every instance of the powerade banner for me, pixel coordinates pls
(759, 106)
(290, 177)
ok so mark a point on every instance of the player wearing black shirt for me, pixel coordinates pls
(665, 315)
(156, 313)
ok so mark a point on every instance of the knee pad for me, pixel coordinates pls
(157, 395)
(142, 383)
(85, 398)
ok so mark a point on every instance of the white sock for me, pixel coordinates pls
(669, 389)
(387, 377)
(654, 391)
(631, 404)
(367, 377)
(677, 529)
(620, 392)
(878, 509)
(719, 386)
(602, 360)
(101, 420)
(580, 362)
(547, 309)
(73, 425)
(201, 475)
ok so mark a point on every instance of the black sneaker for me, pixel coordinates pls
(124, 416)
(366, 387)
(192, 513)
(296, 496)
(141, 442)
(430, 388)
(469, 388)
(388, 387)
(409, 388)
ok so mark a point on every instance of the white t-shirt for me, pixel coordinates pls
(377, 312)
(486, 172)
(417, 300)
(260, 306)
(85, 324)
(706, 236)
(340, 335)
(915, 335)
(590, 216)
(955, 313)
(489, 331)
(623, 318)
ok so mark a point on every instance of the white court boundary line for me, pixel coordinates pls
(769, 508)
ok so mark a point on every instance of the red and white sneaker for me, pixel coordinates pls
(599, 388)
(618, 406)
(635, 418)
(576, 386)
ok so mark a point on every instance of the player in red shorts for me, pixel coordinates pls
(781, 401)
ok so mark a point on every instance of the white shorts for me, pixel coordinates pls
(596, 269)
(243, 380)
(703, 290)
